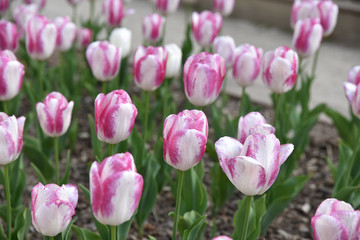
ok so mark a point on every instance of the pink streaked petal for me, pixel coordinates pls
(329, 228)
(332, 205)
(263, 129)
(227, 148)
(72, 193)
(168, 124)
(350, 90)
(285, 151)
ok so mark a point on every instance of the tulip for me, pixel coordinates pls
(307, 36)
(122, 38)
(4, 5)
(52, 207)
(149, 67)
(54, 114)
(225, 46)
(22, 14)
(66, 33)
(39, 3)
(152, 27)
(167, 6)
(84, 37)
(114, 116)
(246, 64)
(301, 10)
(113, 11)
(115, 189)
(11, 137)
(12, 72)
(354, 75)
(173, 63)
(203, 77)
(205, 27)
(335, 220)
(225, 7)
(280, 69)
(254, 166)
(104, 59)
(185, 136)
(40, 37)
(327, 12)
(9, 38)
(353, 95)
(222, 237)
(252, 123)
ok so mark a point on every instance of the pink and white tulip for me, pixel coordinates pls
(4, 5)
(203, 76)
(22, 14)
(307, 36)
(9, 38)
(185, 136)
(122, 38)
(11, 137)
(40, 37)
(114, 116)
(246, 64)
(254, 166)
(113, 11)
(205, 27)
(252, 123)
(173, 64)
(84, 37)
(149, 67)
(335, 220)
(115, 189)
(352, 93)
(222, 237)
(327, 12)
(54, 114)
(153, 27)
(354, 75)
(167, 6)
(104, 59)
(280, 69)
(301, 10)
(40, 3)
(66, 33)
(11, 78)
(225, 46)
(225, 7)
(52, 207)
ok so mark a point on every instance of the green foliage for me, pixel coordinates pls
(84, 234)
(192, 226)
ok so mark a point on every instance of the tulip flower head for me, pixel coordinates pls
(52, 207)
(121, 37)
(153, 27)
(203, 77)
(4, 5)
(9, 38)
(173, 64)
(22, 14)
(205, 27)
(113, 11)
(167, 6)
(54, 114)
(223, 237)
(301, 10)
(280, 69)
(225, 7)
(225, 46)
(66, 33)
(327, 12)
(335, 220)
(115, 189)
(84, 37)
(352, 93)
(11, 137)
(185, 136)
(354, 75)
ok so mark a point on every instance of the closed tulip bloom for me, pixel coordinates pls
(280, 69)
(11, 137)
(327, 12)
(66, 33)
(40, 3)
(246, 64)
(9, 38)
(104, 59)
(185, 136)
(223, 237)
(203, 77)
(4, 5)
(115, 189)
(352, 93)
(122, 38)
(335, 220)
(307, 36)
(153, 27)
(11, 75)
(225, 7)
(252, 123)
(167, 6)
(205, 27)
(114, 116)
(52, 207)
(113, 11)
(254, 166)
(54, 114)
(173, 64)
(301, 10)
(22, 14)
(225, 46)
(149, 67)
(84, 37)
(354, 75)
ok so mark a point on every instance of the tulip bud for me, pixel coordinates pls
(246, 64)
(4, 5)
(354, 75)
(22, 14)
(205, 27)
(327, 12)
(104, 59)
(113, 11)
(152, 27)
(280, 69)
(223, 237)
(9, 38)
(203, 77)
(84, 37)
(254, 166)
(11, 137)
(115, 189)
(40, 37)
(301, 10)
(173, 64)
(336, 220)
(167, 6)
(12, 72)
(225, 46)
(352, 93)
(54, 114)
(66, 33)
(114, 116)
(122, 37)
(225, 7)
(39, 3)
(149, 67)
(185, 136)
(52, 207)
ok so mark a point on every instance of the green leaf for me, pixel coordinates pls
(343, 169)
(22, 224)
(123, 229)
(65, 235)
(2, 232)
(95, 143)
(342, 125)
(40, 176)
(151, 238)
(84, 234)
(210, 149)
(192, 225)
(345, 192)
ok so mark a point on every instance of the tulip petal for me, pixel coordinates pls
(285, 151)
(227, 148)
(329, 228)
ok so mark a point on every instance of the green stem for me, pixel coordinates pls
(103, 87)
(5, 108)
(40, 76)
(56, 147)
(276, 108)
(51, 238)
(62, 69)
(178, 202)
(315, 60)
(146, 100)
(8, 200)
(165, 97)
(242, 102)
(111, 149)
(113, 232)
(247, 214)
